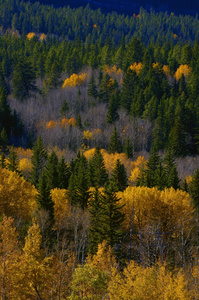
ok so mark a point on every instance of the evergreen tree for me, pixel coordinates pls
(38, 160)
(78, 189)
(23, 80)
(64, 109)
(97, 171)
(51, 170)
(177, 138)
(95, 211)
(160, 180)
(184, 186)
(194, 189)
(4, 141)
(128, 87)
(44, 199)
(92, 89)
(5, 112)
(111, 219)
(171, 171)
(63, 174)
(112, 114)
(128, 148)
(115, 144)
(119, 178)
(13, 161)
(105, 88)
(2, 161)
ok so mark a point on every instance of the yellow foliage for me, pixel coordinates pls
(25, 166)
(155, 65)
(51, 124)
(169, 208)
(30, 35)
(23, 153)
(42, 37)
(88, 135)
(136, 67)
(17, 196)
(140, 283)
(175, 36)
(166, 70)
(61, 204)
(72, 122)
(95, 26)
(136, 167)
(183, 69)
(74, 80)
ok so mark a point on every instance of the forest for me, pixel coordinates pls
(99, 154)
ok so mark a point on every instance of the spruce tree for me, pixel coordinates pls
(194, 189)
(112, 114)
(115, 144)
(160, 180)
(92, 89)
(44, 199)
(4, 141)
(38, 160)
(97, 171)
(13, 161)
(2, 161)
(128, 148)
(51, 170)
(170, 170)
(119, 178)
(63, 174)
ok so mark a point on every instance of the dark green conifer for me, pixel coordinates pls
(92, 89)
(112, 114)
(51, 170)
(160, 179)
(97, 171)
(38, 160)
(119, 178)
(194, 189)
(4, 141)
(128, 148)
(44, 199)
(13, 161)
(115, 144)
(63, 174)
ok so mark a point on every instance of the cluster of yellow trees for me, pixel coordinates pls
(74, 80)
(63, 123)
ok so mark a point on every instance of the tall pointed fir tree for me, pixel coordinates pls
(92, 89)
(38, 160)
(115, 144)
(51, 170)
(13, 161)
(112, 114)
(128, 148)
(194, 189)
(119, 179)
(44, 199)
(78, 189)
(63, 174)
(98, 175)
(171, 170)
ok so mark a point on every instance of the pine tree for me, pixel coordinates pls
(38, 160)
(63, 174)
(119, 178)
(92, 89)
(112, 114)
(97, 171)
(194, 189)
(95, 211)
(115, 143)
(111, 218)
(4, 141)
(23, 80)
(78, 189)
(105, 88)
(13, 161)
(128, 87)
(170, 170)
(128, 148)
(160, 180)
(51, 170)
(2, 161)
(44, 199)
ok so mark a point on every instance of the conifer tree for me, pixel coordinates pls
(112, 114)
(51, 170)
(92, 89)
(184, 186)
(160, 180)
(97, 171)
(105, 88)
(78, 189)
(119, 178)
(13, 161)
(111, 218)
(4, 141)
(44, 199)
(38, 160)
(115, 144)
(128, 148)
(63, 174)
(2, 161)
(194, 189)
(171, 171)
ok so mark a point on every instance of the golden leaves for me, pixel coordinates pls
(75, 80)
(183, 69)
(136, 67)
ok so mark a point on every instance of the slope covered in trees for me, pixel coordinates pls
(102, 200)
